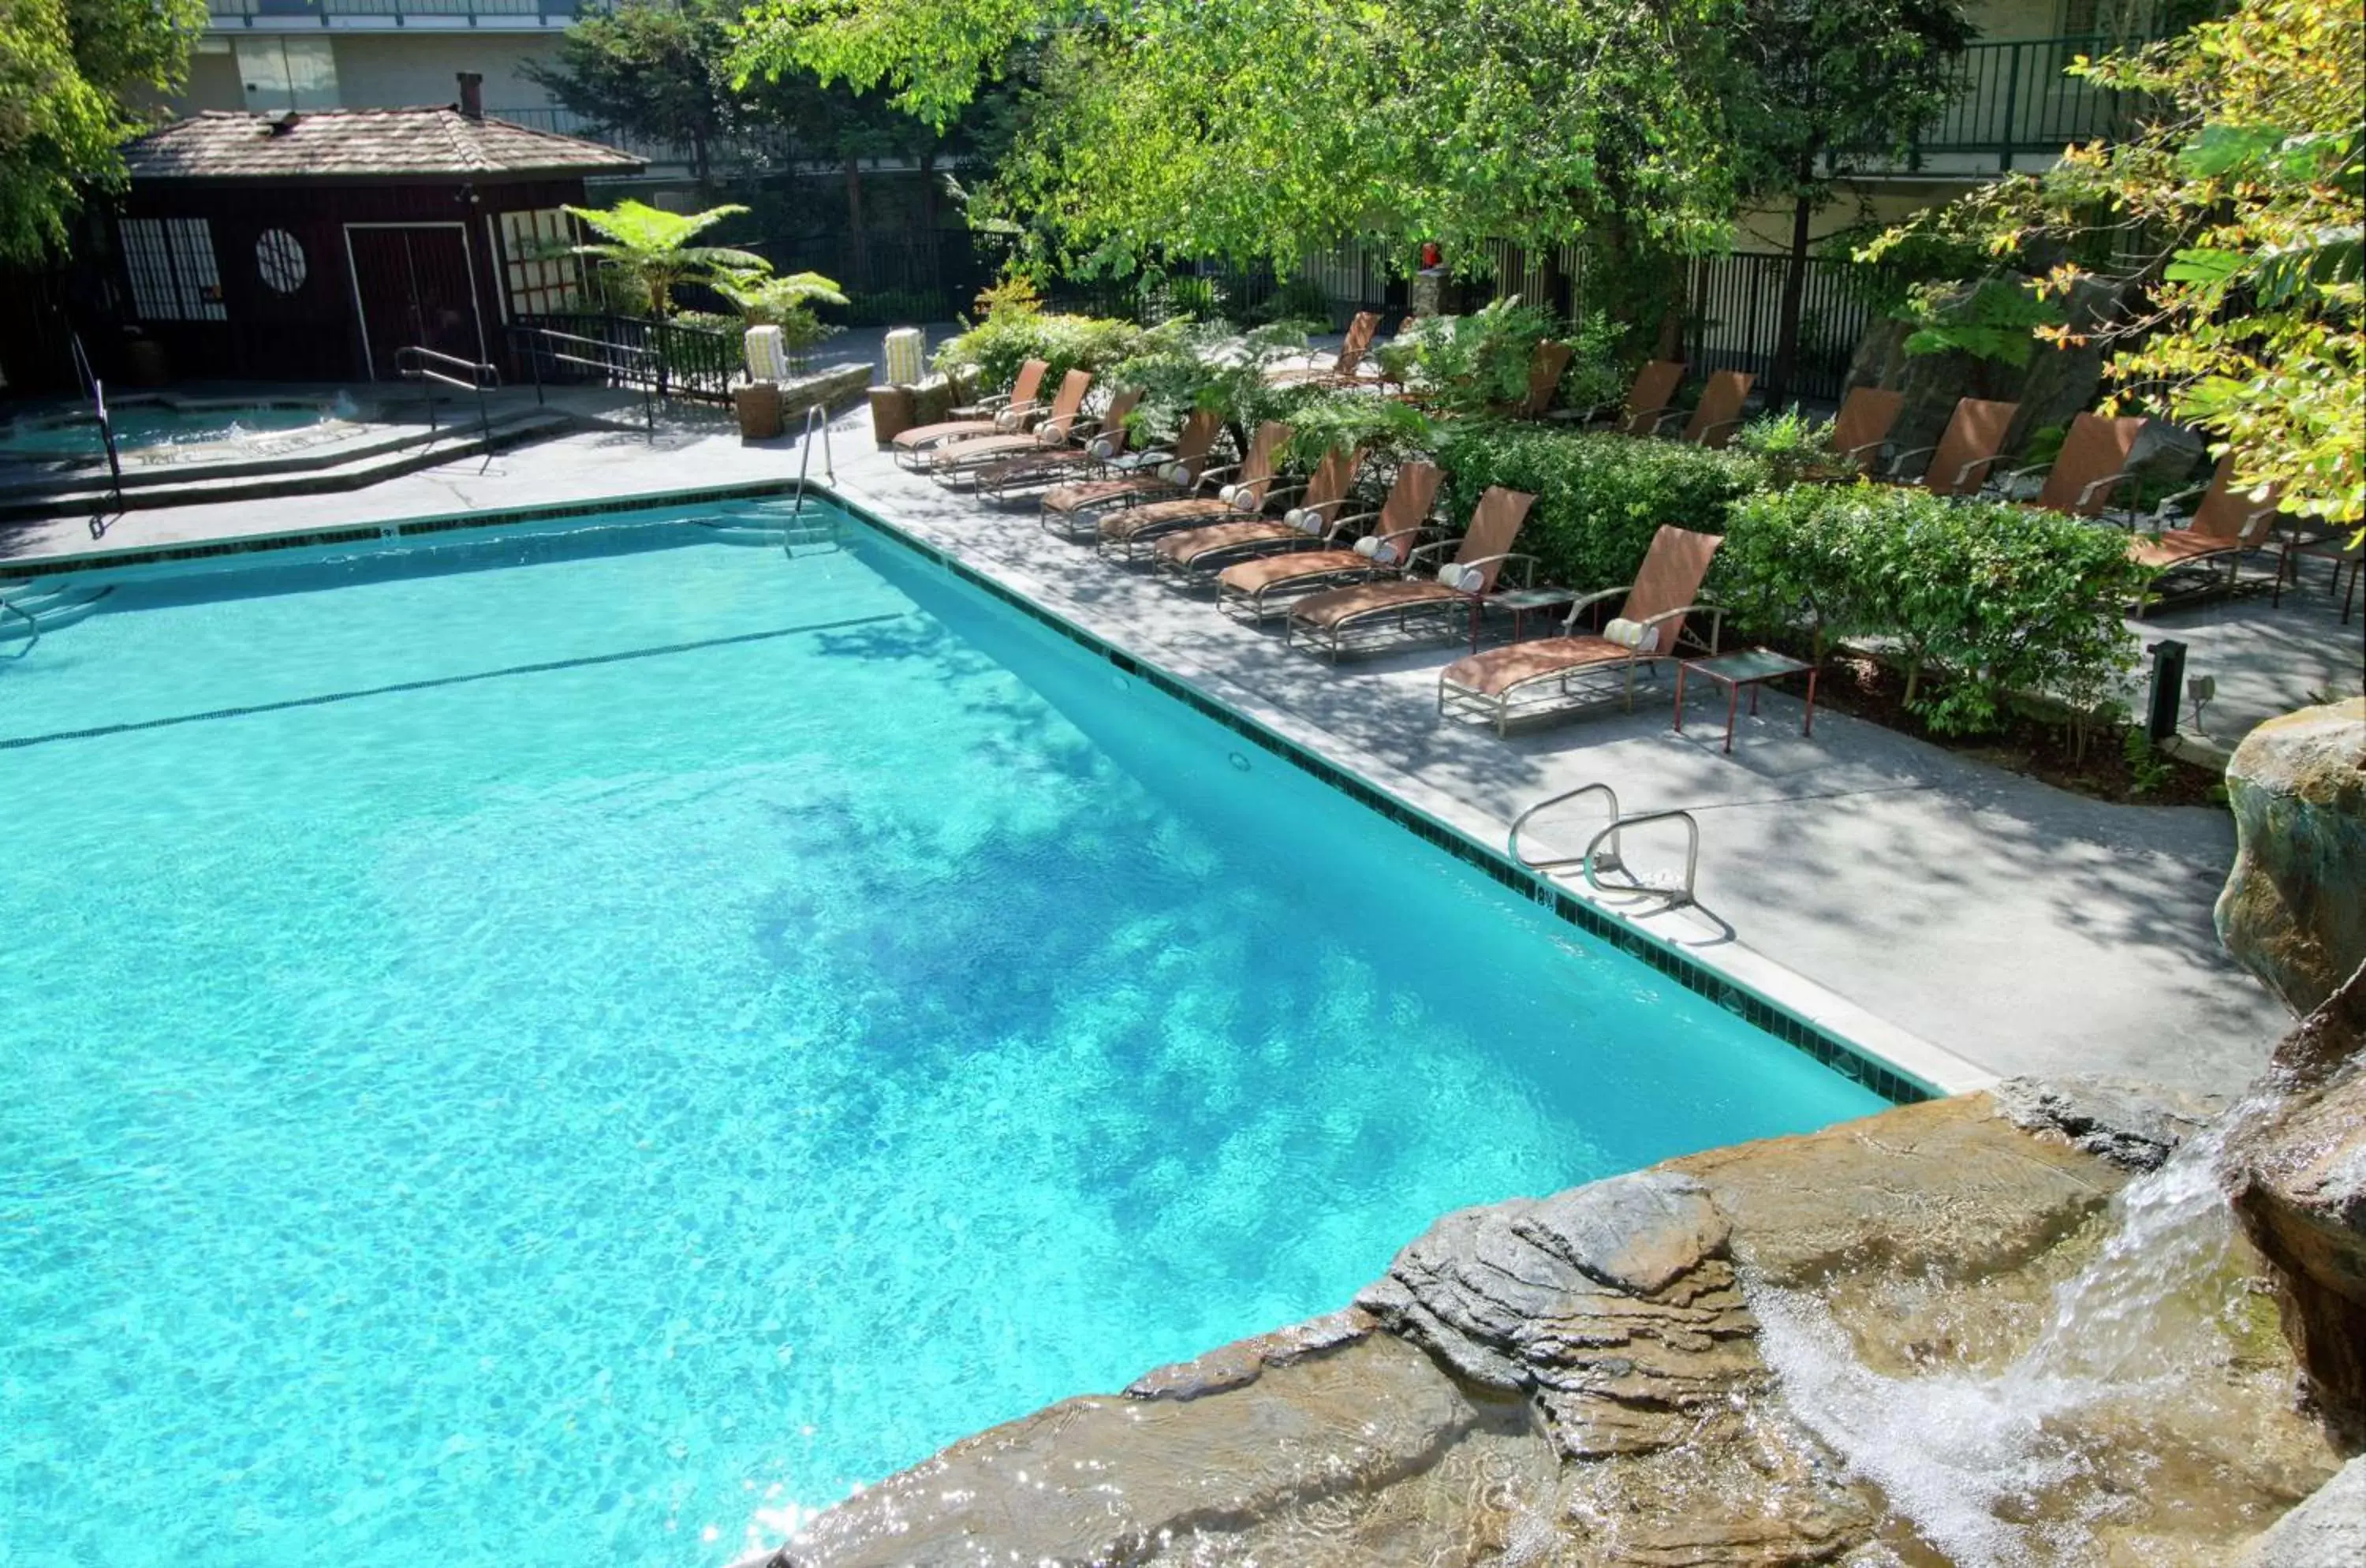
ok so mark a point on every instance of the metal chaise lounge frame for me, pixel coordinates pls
(999, 416)
(2091, 465)
(1125, 528)
(949, 460)
(1197, 555)
(1098, 443)
(1966, 448)
(1335, 619)
(1343, 371)
(1249, 590)
(2227, 524)
(1069, 510)
(1649, 628)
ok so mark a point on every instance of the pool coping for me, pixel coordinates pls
(1893, 1063)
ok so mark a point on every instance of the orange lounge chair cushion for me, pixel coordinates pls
(1499, 670)
(986, 446)
(1339, 605)
(2183, 544)
(1161, 514)
(1094, 492)
(950, 430)
(1223, 535)
(1249, 575)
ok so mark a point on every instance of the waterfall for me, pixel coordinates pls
(1969, 1456)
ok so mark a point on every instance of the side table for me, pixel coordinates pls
(1752, 668)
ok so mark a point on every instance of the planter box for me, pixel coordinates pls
(759, 407)
(893, 411)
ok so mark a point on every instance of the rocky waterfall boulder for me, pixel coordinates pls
(2294, 910)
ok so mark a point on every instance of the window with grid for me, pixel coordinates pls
(542, 277)
(169, 262)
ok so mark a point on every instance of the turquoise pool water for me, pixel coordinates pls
(143, 425)
(573, 1048)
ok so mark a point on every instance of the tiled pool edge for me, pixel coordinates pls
(1792, 1021)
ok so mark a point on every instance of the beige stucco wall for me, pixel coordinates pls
(395, 69)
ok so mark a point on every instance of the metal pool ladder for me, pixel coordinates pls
(817, 418)
(1603, 855)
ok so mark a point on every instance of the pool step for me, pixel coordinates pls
(816, 530)
(80, 497)
(51, 604)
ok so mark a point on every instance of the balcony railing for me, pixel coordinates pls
(327, 13)
(2016, 103)
(731, 153)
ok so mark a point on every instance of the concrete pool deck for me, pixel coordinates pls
(2014, 927)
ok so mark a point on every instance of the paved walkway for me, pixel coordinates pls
(1965, 920)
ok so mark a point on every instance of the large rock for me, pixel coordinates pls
(2056, 384)
(2328, 1531)
(2136, 1126)
(2294, 910)
(2295, 1169)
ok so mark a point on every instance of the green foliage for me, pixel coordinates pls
(76, 79)
(1793, 443)
(894, 308)
(1998, 601)
(1182, 367)
(767, 298)
(1385, 430)
(2147, 768)
(658, 71)
(651, 249)
(1012, 294)
(992, 351)
(1164, 299)
(2241, 207)
(1296, 298)
(1599, 498)
(1997, 319)
(1468, 364)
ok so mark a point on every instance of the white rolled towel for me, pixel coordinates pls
(1009, 420)
(1633, 634)
(1463, 578)
(1371, 547)
(1101, 448)
(1175, 474)
(1305, 519)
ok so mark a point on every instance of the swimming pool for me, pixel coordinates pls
(574, 1046)
(144, 422)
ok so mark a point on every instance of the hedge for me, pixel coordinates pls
(995, 349)
(1599, 498)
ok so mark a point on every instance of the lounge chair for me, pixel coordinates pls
(1096, 441)
(1241, 493)
(1202, 552)
(1547, 365)
(1719, 414)
(1553, 669)
(949, 460)
(1070, 509)
(1012, 415)
(2092, 464)
(1647, 405)
(1333, 618)
(1967, 447)
(1345, 370)
(1255, 589)
(2227, 522)
(1863, 428)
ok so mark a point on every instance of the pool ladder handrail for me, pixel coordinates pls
(30, 619)
(1604, 854)
(816, 416)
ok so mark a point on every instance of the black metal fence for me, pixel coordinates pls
(674, 359)
(1737, 313)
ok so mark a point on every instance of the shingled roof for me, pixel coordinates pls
(440, 142)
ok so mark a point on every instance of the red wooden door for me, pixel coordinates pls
(414, 288)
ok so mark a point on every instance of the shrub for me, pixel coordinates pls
(1296, 298)
(1599, 497)
(1385, 430)
(1467, 365)
(1793, 445)
(994, 349)
(1996, 601)
(1182, 366)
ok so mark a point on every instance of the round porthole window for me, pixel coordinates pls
(279, 256)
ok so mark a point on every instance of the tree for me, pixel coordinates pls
(2235, 219)
(653, 248)
(651, 70)
(69, 72)
(1820, 84)
(1260, 129)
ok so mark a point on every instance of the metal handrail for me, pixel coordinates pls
(1597, 861)
(635, 365)
(413, 363)
(817, 414)
(30, 619)
(1512, 843)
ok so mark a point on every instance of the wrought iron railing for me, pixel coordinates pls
(509, 13)
(2016, 103)
(674, 359)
